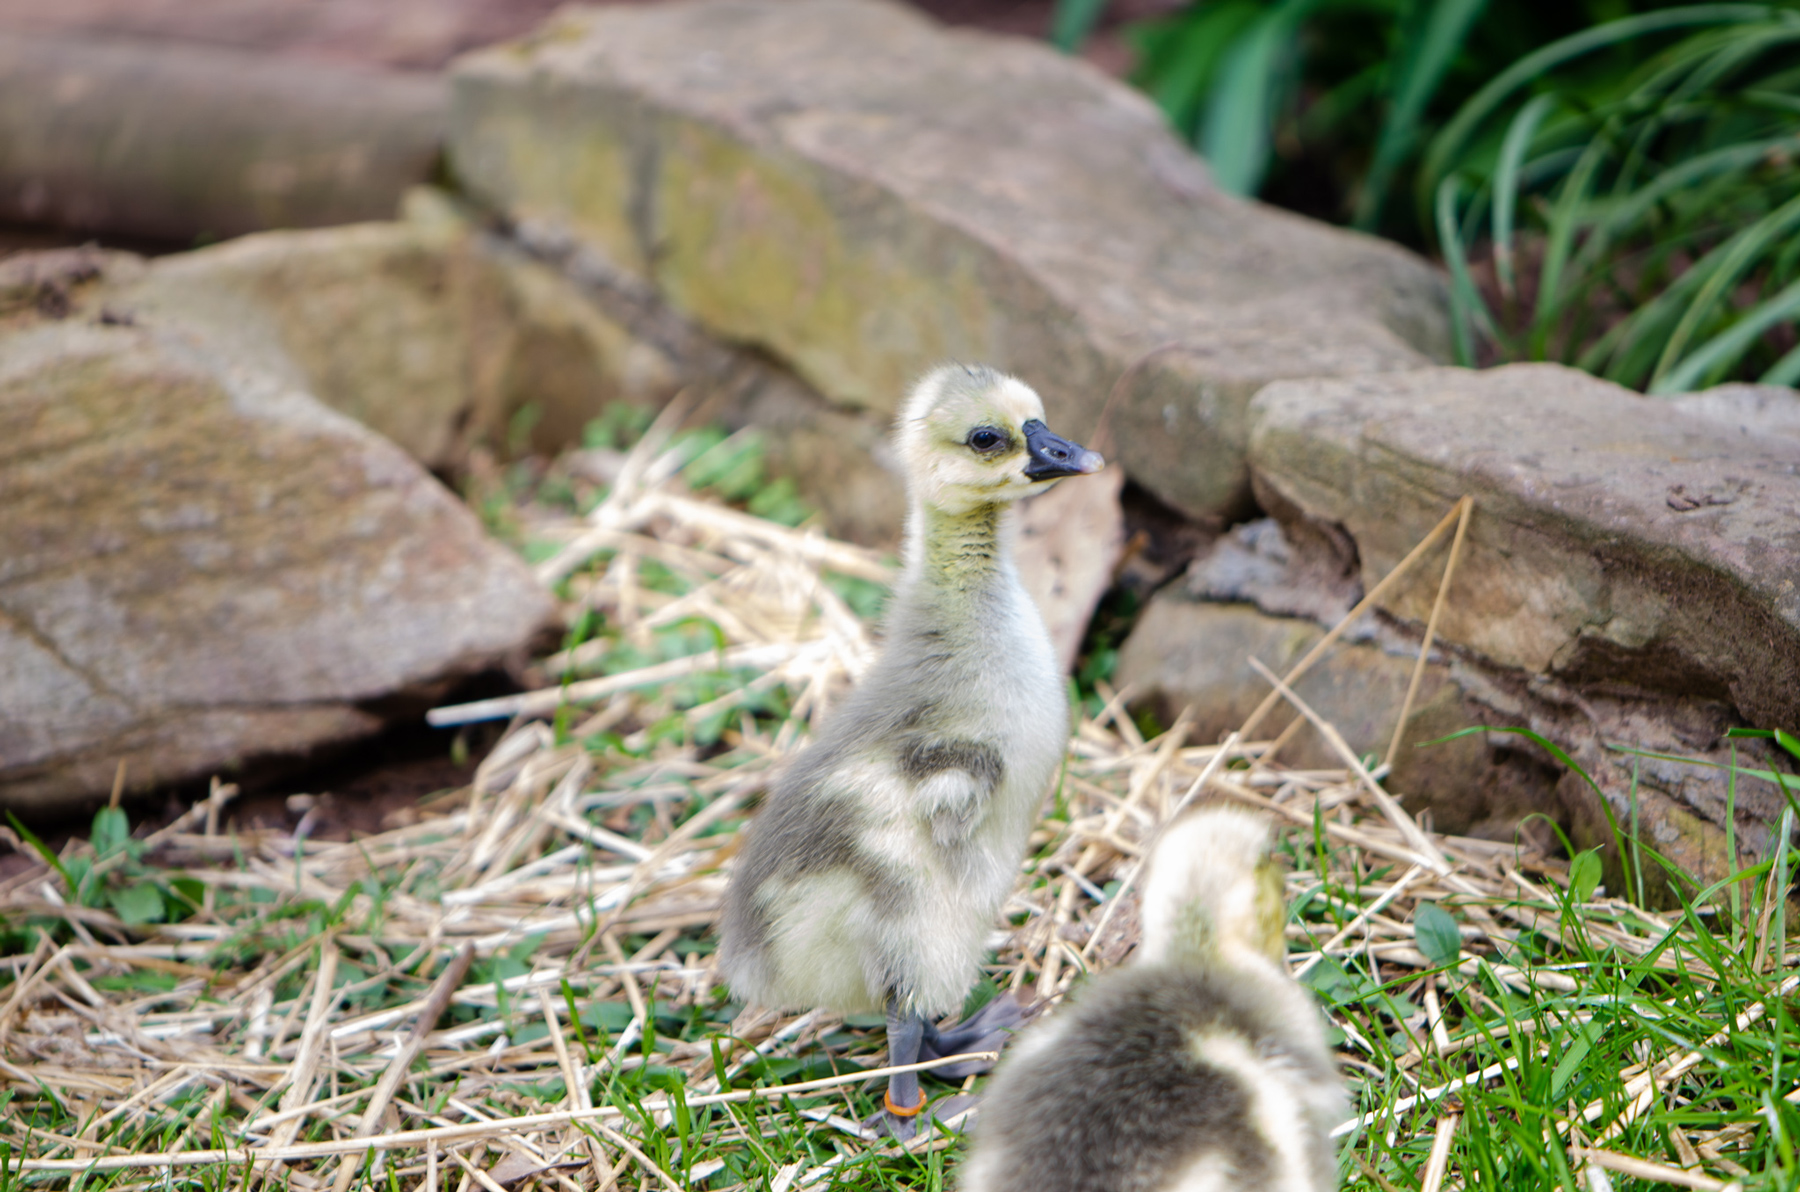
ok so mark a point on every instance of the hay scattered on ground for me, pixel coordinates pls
(516, 987)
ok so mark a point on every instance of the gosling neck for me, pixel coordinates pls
(960, 551)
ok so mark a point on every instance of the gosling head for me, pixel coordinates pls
(1213, 889)
(970, 436)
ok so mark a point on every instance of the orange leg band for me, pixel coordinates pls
(887, 1099)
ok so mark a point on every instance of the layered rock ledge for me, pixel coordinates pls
(1616, 541)
(1631, 575)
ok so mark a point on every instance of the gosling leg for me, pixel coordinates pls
(905, 1033)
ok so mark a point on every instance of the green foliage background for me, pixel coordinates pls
(1612, 183)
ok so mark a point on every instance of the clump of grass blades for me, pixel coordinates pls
(1252, 84)
(1324, 107)
(1645, 227)
(1500, 1016)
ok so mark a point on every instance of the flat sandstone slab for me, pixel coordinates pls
(1616, 542)
(865, 194)
(200, 565)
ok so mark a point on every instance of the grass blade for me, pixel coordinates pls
(1423, 63)
(1785, 371)
(1731, 343)
(1565, 219)
(1737, 255)
(1449, 143)
(1072, 21)
(1180, 60)
(1237, 128)
(1627, 211)
(1506, 183)
(1466, 305)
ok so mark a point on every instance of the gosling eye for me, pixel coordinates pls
(986, 439)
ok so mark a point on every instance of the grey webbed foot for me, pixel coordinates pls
(911, 1038)
(988, 1029)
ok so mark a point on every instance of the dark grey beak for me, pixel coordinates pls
(1053, 456)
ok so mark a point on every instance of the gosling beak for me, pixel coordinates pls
(1053, 456)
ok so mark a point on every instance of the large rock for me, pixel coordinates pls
(864, 194)
(201, 564)
(1754, 411)
(1631, 575)
(413, 34)
(424, 330)
(1194, 655)
(370, 318)
(183, 142)
(441, 336)
(1614, 541)
(1255, 594)
(52, 283)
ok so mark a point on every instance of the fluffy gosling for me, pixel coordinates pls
(1201, 1067)
(884, 851)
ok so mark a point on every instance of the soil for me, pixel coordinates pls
(370, 787)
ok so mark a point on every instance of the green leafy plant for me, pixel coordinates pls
(619, 425)
(733, 467)
(1644, 226)
(1610, 182)
(112, 875)
(1437, 934)
(1584, 875)
(1324, 105)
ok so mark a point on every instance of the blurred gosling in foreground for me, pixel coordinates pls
(1201, 1067)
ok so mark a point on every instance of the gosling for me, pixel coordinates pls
(1201, 1066)
(884, 852)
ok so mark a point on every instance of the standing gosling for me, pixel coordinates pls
(884, 852)
(1200, 1068)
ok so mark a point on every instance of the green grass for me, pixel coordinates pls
(1564, 993)
(1610, 183)
(1326, 106)
(729, 466)
(1644, 226)
(1569, 991)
